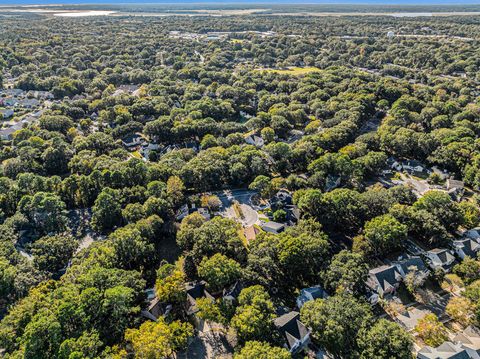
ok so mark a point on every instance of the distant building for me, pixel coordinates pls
(455, 184)
(295, 333)
(469, 338)
(473, 233)
(390, 34)
(255, 140)
(6, 113)
(133, 140)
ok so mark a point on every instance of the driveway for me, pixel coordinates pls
(210, 343)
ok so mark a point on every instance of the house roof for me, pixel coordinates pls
(468, 246)
(234, 290)
(447, 350)
(316, 292)
(130, 138)
(470, 338)
(196, 290)
(451, 183)
(443, 255)
(412, 262)
(384, 276)
(274, 226)
(291, 327)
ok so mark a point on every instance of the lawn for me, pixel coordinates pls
(295, 71)
(137, 154)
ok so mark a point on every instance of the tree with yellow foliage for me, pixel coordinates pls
(158, 340)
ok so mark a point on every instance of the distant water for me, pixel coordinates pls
(259, 2)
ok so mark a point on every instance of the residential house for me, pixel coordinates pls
(455, 189)
(273, 227)
(156, 309)
(473, 233)
(195, 291)
(28, 103)
(6, 112)
(255, 140)
(469, 338)
(442, 173)
(205, 213)
(440, 258)
(413, 166)
(383, 280)
(332, 182)
(182, 212)
(396, 166)
(295, 333)
(447, 350)
(7, 133)
(231, 294)
(149, 147)
(293, 214)
(407, 265)
(466, 247)
(312, 293)
(133, 140)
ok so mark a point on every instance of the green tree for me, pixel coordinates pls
(385, 234)
(468, 270)
(210, 310)
(46, 211)
(253, 319)
(219, 271)
(52, 253)
(384, 340)
(263, 185)
(88, 345)
(107, 212)
(42, 336)
(336, 321)
(460, 309)
(471, 214)
(261, 350)
(442, 207)
(347, 272)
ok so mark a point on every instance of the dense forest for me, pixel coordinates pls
(141, 118)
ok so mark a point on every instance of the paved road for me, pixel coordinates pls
(242, 196)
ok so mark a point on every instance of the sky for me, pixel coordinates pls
(370, 2)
